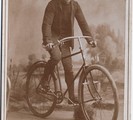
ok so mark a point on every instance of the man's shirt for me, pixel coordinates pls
(66, 20)
(59, 21)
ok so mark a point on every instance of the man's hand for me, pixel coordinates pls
(49, 46)
(93, 43)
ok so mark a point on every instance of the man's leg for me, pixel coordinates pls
(67, 64)
(55, 57)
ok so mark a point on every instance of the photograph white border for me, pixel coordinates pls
(128, 59)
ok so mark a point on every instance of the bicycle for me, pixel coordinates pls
(101, 99)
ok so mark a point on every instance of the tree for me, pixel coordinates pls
(32, 59)
(110, 47)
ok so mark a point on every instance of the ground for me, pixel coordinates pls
(56, 115)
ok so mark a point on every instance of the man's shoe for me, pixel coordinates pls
(73, 100)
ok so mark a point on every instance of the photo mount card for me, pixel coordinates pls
(26, 25)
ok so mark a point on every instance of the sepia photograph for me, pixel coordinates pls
(66, 59)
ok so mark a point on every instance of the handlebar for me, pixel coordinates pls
(63, 40)
(74, 37)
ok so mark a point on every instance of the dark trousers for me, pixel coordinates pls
(55, 56)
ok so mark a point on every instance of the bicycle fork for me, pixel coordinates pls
(93, 86)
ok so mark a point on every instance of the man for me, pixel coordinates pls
(58, 22)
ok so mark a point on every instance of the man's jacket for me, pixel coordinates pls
(52, 21)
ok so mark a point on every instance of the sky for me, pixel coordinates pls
(25, 21)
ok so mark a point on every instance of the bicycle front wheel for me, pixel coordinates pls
(98, 94)
(41, 103)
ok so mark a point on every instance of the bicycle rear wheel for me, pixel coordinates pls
(98, 94)
(41, 103)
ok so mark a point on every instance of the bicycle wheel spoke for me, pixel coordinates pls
(41, 102)
(48, 95)
(97, 93)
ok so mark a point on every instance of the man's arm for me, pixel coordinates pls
(82, 22)
(47, 23)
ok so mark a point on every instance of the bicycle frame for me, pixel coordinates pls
(82, 68)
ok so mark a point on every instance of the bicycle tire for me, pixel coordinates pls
(40, 104)
(8, 88)
(101, 96)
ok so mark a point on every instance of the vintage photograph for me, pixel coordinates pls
(65, 60)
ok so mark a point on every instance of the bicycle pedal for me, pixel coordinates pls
(47, 88)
